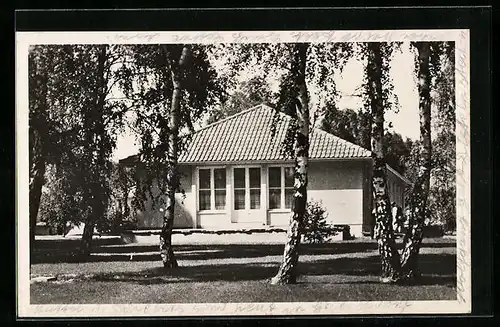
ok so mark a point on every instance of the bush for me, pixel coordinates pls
(60, 202)
(118, 216)
(316, 228)
(433, 231)
(114, 225)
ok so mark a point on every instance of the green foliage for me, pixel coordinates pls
(442, 200)
(442, 197)
(118, 213)
(396, 151)
(441, 209)
(316, 228)
(53, 89)
(389, 98)
(441, 204)
(348, 124)
(355, 127)
(149, 90)
(61, 202)
(445, 89)
(248, 93)
(81, 124)
(324, 62)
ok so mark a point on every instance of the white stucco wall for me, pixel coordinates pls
(184, 213)
(343, 187)
(396, 188)
(339, 186)
(212, 220)
(279, 218)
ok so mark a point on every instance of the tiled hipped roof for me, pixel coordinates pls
(246, 136)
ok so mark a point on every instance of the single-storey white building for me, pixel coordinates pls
(234, 176)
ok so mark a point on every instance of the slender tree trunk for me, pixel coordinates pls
(87, 236)
(125, 192)
(125, 209)
(383, 221)
(37, 173)
(287, 273)
(97, 199)
(121, 209)
(420, 191)
(98, 209)
(166, 250)
(37, 131)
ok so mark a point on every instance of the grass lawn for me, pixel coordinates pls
(338, 271)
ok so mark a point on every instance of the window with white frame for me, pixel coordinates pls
(247, 188)
(212, 188)
(220, 188)
(239, 188)
(254, 186)
(281, 181)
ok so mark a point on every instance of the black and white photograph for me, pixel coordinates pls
(241, 173)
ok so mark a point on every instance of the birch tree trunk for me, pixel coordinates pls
(86, 243)
(96, 185)
(166, 250)
(97, 211)
(383, 221)
(38, 125)
(420, 191)
(287, 273)
(37, 173)
(88, 233)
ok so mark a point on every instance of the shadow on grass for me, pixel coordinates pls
(437, 269)
(73, 243)
(57, 251)
(192, 252)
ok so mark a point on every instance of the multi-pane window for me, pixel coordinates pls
(274, 187)
(212, 189)
(289, 180)
(205, 189)
(239, 188)
(247, 183)
(220, 189)
(254, 181)
(281, 180)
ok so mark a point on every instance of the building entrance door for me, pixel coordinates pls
(247, 206)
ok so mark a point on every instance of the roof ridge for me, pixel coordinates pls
(313, 128)
(232, 116)
(263, 105)
(340, 139)
(285, 118)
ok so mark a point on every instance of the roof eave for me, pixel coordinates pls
(404, 179)
(269, 161)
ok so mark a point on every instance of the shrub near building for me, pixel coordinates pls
(316, 228)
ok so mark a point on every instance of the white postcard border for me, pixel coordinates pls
(462, 73)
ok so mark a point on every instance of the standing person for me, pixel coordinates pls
(406, 221)
(394, 211)
(400, 219)
(397, 217)
(374, 225)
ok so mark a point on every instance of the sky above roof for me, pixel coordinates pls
(405, 122)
